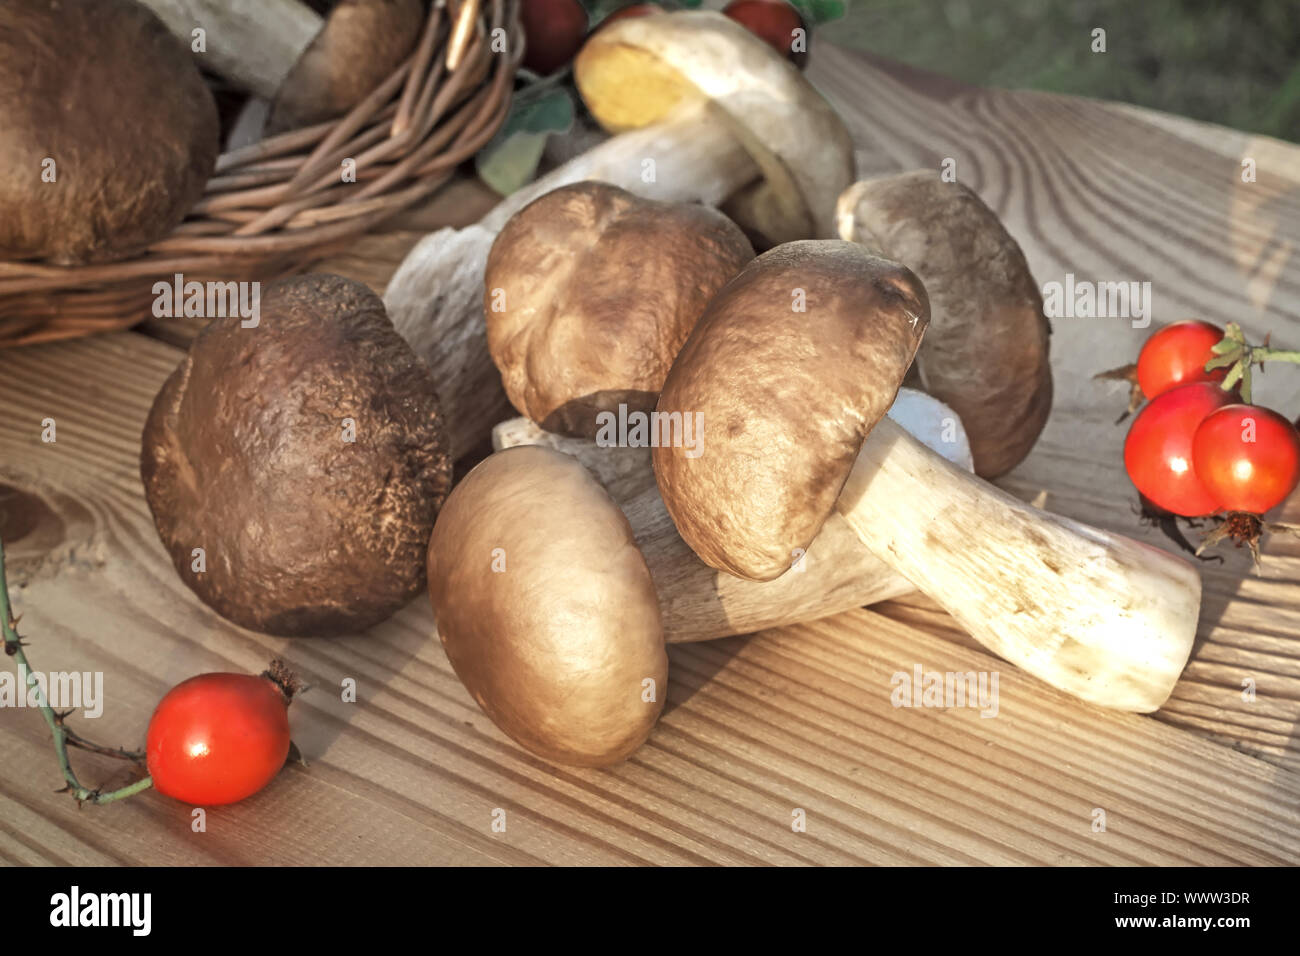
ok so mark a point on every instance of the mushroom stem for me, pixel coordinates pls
(253, 43)
(683, 159)
(1097, 615)
(698, 603)
(435, 298)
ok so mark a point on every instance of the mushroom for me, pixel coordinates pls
(436, 295)
(698, 603)
(640, 71)
(590, 291)
(626, 471)
(792, 405)
(360, 45)
(546, 608)
(985, 353)
(700, 152)
(294, 469)
(109, 132)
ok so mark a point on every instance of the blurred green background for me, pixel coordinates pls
(1234, 62)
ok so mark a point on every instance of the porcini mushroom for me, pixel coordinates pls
(75, 185)
(590, 291)
(546, 608)
(985, 353)
(294, 468)
(640, 71)
(793, 403)
(697, 152)
(436, 295)
(698, 603)
(360, 45)
(625, 469)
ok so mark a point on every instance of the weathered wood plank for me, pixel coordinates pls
(799, 717)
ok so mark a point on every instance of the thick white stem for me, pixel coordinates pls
(253, 43)
(686, 159)
(697, 602)
(435, 298)
(1095, 614)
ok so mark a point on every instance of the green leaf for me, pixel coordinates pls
(819, 11)
(510, 160)
(598, 10)
(539, 109)
(1223, 361)
(1233, 378)
(511, 164)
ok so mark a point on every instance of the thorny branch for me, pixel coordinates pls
(64, 737)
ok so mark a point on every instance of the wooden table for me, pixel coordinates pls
(755, 727)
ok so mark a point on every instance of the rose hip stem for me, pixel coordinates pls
(63, 737)
(1236, 352)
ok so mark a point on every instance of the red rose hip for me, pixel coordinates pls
(774, 21)
(1248, 457)
(1158, 449)
(218, 738)
(554, 31)
(1176, 355)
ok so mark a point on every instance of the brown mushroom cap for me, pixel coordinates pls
(600, 289)
(360, 45)
(785, 398)
(246, 455)
(105, 91)
(986, 353)
(546, 608)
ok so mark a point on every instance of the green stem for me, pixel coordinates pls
(1238, 356)
(1262, 353)
(144, 783)
(13, 646)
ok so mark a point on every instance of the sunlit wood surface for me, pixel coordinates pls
(758, 727)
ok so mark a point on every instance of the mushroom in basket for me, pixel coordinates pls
(108, 133)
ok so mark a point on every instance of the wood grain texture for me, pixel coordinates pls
(799, 717)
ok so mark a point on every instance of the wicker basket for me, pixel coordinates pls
(273, 207)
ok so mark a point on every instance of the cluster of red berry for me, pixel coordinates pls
(1199, 447)
(554, 30)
